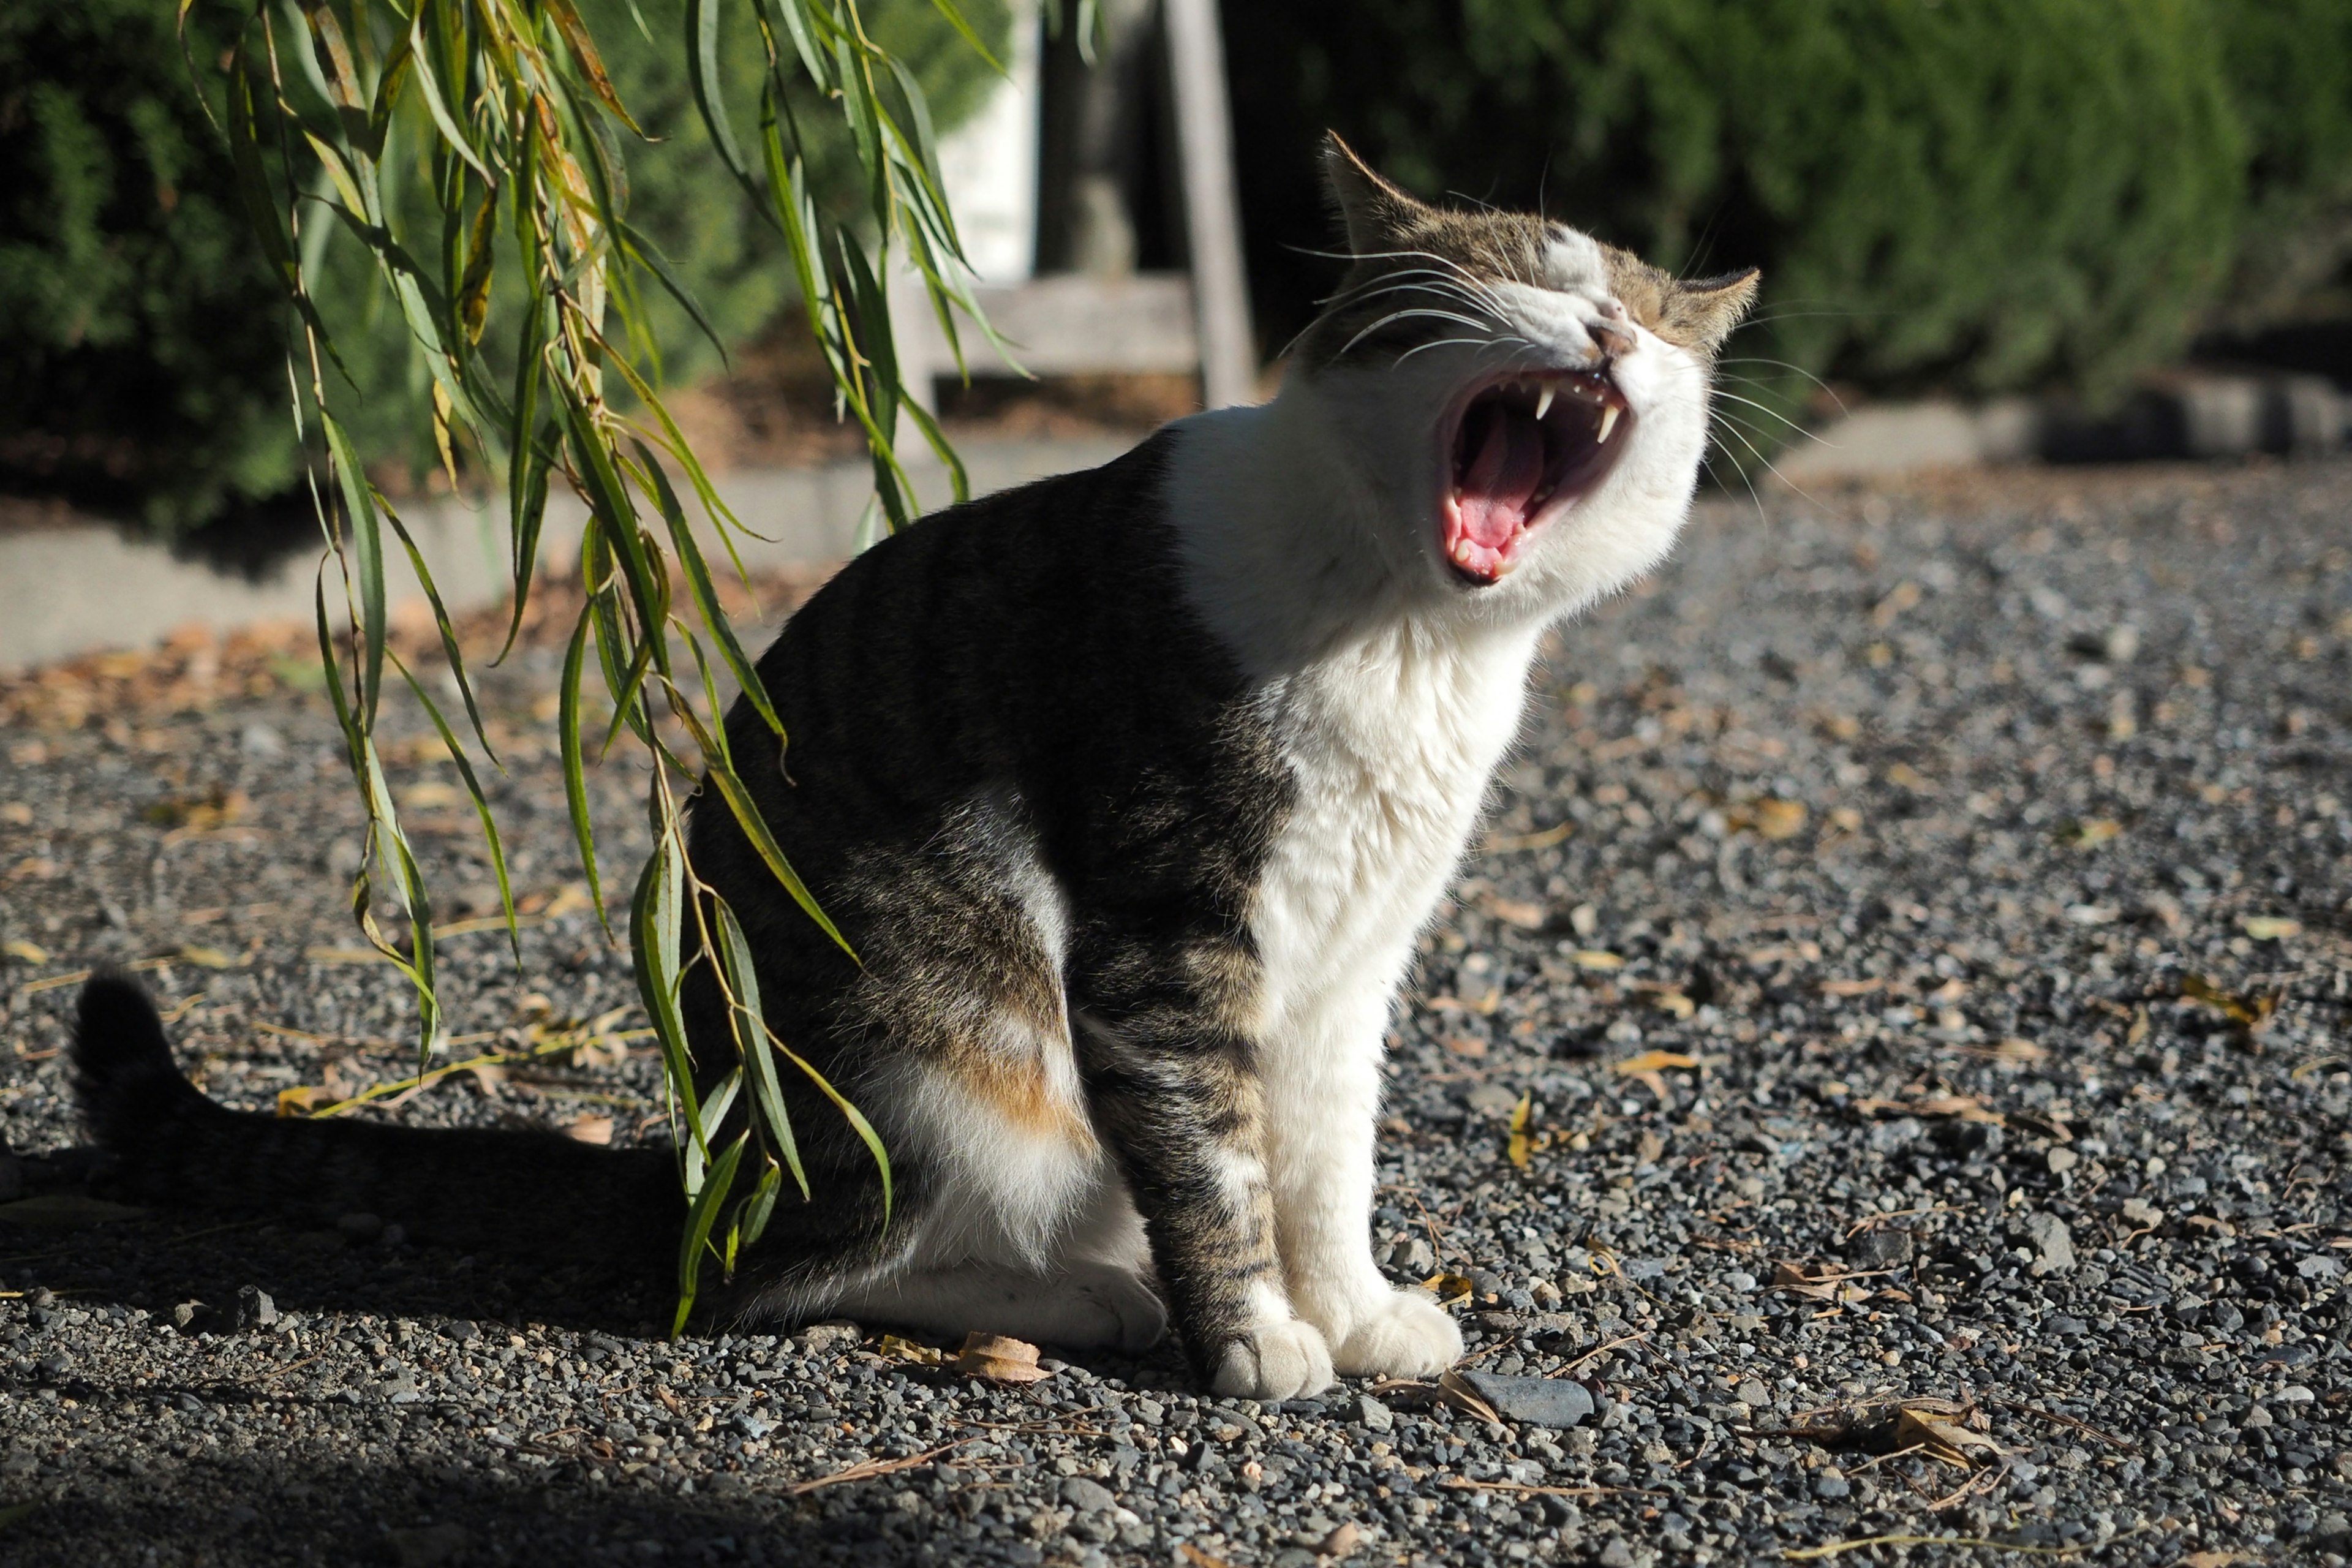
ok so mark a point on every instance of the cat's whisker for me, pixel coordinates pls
(1443, 343)
(1772, 412)
(1768, 464)
(1415, 313)
(1451, 267)
(1427, 281)
(1784, 364)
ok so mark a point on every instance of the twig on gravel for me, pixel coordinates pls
(865, 1470)
(290, 1366)
(1600, 1349)
(1036, 1429)
(2051, 1415)
(1871, 1222)
(1464, 1483)
(1860, 1543)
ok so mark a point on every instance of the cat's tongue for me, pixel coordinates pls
(1493, 497)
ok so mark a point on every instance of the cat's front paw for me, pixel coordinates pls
(1404, 1335)
(1286, 1359)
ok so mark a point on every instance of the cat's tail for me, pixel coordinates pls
(524, 1194)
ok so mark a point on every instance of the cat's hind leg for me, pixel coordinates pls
(1082, 1306)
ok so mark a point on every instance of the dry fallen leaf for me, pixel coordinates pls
(1852, 987)
(589, 1130)
(1521, 1151)
(1778, 819)
(29, 952)
(1515, 911)
(1595, 957)
(1453, 1391)
(1673, 1002)
(1000, 1359)
(2020, 1051)
(1938, 1427)
(2092, 832)
(894, 1348)
(1502, 843)
(302, 1099)
(1910, 778)
(1648, 1069)
(1816, 1281)
(2250, 1013)
(2271, 928)
(207, 957)
(1450, 1290)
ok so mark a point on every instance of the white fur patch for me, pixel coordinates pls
(1308, 534)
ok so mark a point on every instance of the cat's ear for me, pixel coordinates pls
(1375, 212)
(1706, 310)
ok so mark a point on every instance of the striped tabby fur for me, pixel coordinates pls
(1131, 789)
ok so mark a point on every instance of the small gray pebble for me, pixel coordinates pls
(255, 1310)
(1086, 1495)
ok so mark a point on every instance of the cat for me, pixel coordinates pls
(1131, 790)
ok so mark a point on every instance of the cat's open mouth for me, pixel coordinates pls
(1518, 445)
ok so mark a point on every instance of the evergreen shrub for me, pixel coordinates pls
(142, 340)
(1983, 196)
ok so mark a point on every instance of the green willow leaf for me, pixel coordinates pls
(481, 803)
(706, 596)
(699, 1220)
(367, 546)
(575, 777)
(441, 622)
(850, 1115)
(653, 941)
(702, 71)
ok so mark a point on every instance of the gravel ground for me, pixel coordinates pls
(1913, 952)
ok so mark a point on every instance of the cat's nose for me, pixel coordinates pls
(1613, 333)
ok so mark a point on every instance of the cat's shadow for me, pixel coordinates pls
(163, 1259)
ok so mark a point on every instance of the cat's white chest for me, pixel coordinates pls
(1391, 745)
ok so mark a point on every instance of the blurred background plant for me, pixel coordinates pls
(1997, 196)
(143, 338)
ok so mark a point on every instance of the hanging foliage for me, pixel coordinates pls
(473, 150)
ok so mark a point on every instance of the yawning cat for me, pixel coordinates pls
(1131, 790)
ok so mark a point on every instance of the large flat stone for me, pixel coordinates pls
(1536, 1400)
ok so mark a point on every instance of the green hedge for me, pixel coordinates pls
(1979, 195)
(142, 345)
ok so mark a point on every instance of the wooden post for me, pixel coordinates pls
(1212, 225)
